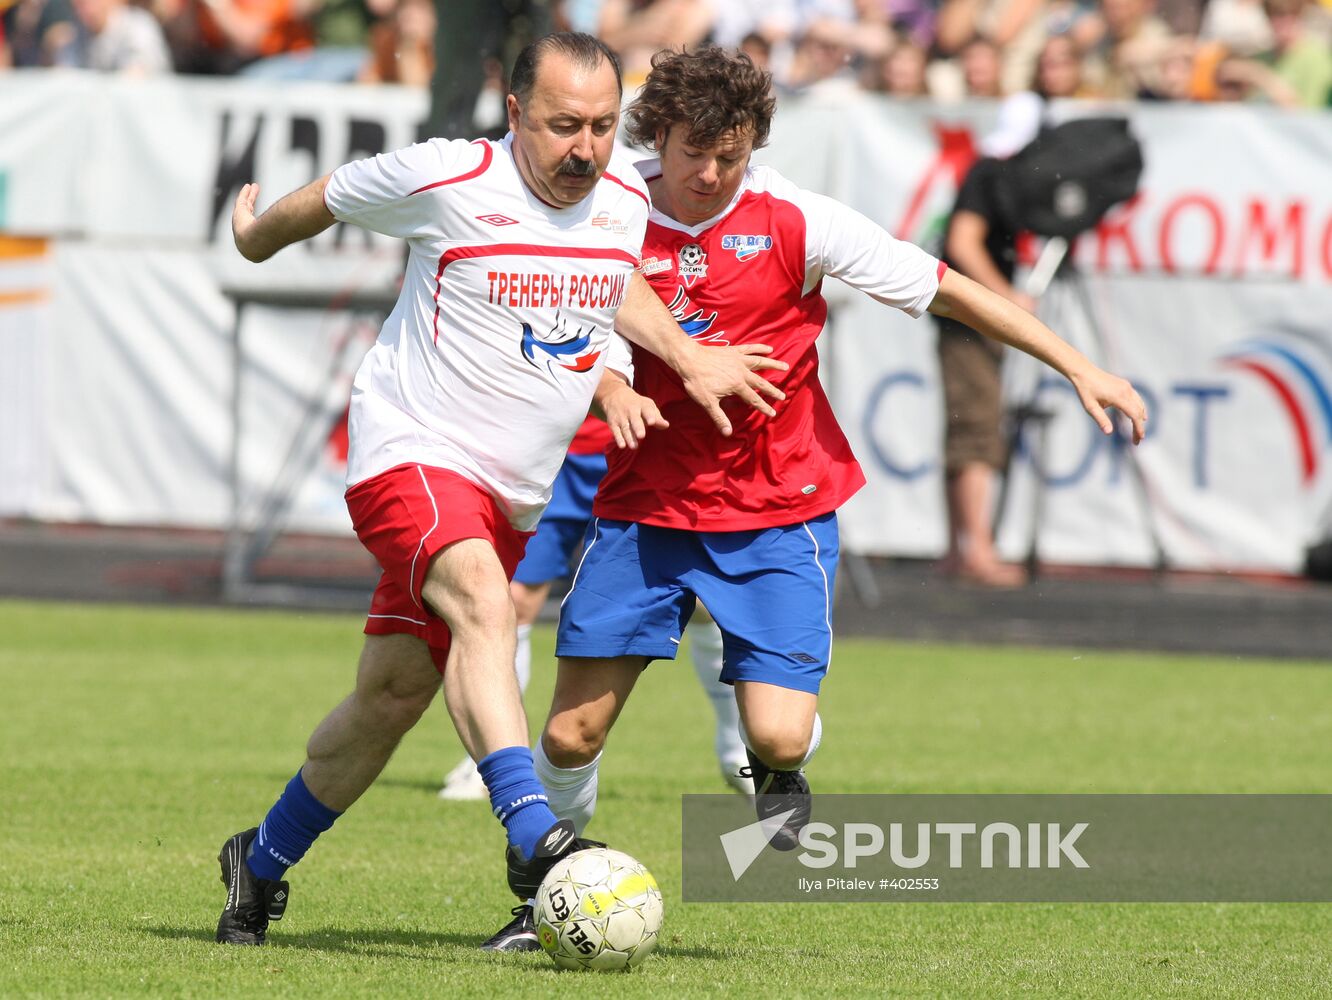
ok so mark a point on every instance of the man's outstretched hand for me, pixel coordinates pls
(242, 220)
(1099, 389)
(710, 374)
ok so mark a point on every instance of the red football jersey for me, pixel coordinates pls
(754, 274)
(593, 437)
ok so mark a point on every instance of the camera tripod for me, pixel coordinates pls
(1055, 269)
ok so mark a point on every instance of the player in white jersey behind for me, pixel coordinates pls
(522, 255)
(745, 524)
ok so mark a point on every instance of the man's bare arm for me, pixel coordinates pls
(293, 218)
(709, 374)
(969, 302)
(966, 249)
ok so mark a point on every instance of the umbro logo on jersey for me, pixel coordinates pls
(803, 658)
(693, 263)
(747, 247)
(495, 219)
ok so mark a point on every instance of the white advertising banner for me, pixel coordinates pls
(1212, 291)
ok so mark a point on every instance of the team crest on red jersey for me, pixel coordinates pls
(559, 347)
(693, 263)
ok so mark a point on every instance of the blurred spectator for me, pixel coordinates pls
(863, 32)
(342, 31)
(1299, 56)
(736, 20)
(6, 60)
(982, 69)
(1059, 70)
(346, 23)
(913, 20)
(1176, 73)
(1015, 27)
(1239, 25)
(402, 46)
(117, 38)
(1241, 79)
(636, 29)
(820, 63)
(758, 48)
(980, 243)
(1126, 60)
(490, 116)
(1058, 75)
(902, 73)
(577, 15)
(223, 36)
(1182, 17)
(41, 32)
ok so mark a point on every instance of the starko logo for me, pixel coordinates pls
(1001, 844)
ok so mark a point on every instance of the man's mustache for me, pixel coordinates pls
(573, 166)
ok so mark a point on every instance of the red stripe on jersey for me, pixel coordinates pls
(632, 190)
(533, 250)
(942, 269)
(487, 154)
(515, 249)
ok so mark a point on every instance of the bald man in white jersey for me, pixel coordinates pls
(522, 256)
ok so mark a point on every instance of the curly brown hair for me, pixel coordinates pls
(711, 91)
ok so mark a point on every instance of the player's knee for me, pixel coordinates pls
(571, 740)
(396, 708)
(482, 609)
(783, 751)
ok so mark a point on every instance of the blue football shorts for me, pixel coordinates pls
(770, 591)
(550, 552)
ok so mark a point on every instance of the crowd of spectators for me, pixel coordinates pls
(1276, 51)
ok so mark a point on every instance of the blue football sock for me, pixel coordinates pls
(288, 830)
(516, 796)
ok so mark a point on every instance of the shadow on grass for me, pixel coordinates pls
(412, 784)
(394, 942)
(360, 941)
(695, 951)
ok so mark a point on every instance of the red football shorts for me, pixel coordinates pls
(406, 515)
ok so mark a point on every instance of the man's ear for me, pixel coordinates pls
(515, 111)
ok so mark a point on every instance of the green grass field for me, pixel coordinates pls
(135, 740)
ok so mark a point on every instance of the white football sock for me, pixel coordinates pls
(705, 648)
(522, 660)
(815, 738)
(572, 791)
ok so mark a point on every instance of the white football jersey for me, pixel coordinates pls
(488, 362)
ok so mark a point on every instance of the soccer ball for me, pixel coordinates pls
(598, 909)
